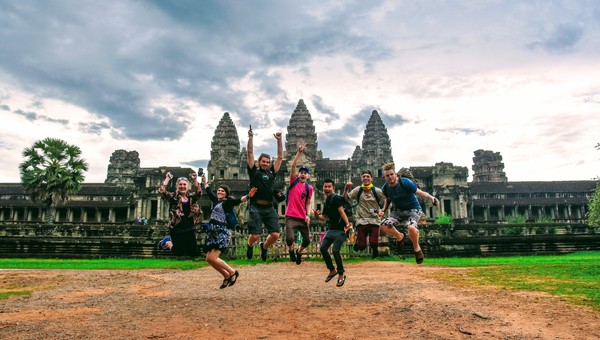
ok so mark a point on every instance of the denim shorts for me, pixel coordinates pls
(262, 214)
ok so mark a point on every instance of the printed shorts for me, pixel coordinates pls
(410, 217)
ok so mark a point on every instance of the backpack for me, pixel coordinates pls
(347, 207)
(232, 221)
(404, 172)
(287, 195)
(360, 191)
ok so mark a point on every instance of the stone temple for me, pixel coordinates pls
(130, 191)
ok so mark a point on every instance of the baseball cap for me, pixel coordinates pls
(305, 168)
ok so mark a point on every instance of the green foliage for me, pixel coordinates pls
(545, 229)
(593, 214)
(516, 219)
(52, 170)
(514, 230)
(444, 219)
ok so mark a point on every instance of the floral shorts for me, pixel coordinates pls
(410, 217)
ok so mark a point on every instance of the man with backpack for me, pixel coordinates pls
(369, 201)
(261, 210)
(297, 213)
(403, 192)
(337, 226)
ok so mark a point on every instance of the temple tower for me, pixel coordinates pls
(225, 152)
(376, 148)
(122, 167)
(488, 167)
(301, 130)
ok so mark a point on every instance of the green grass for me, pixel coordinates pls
(100, 264)
(575, 276)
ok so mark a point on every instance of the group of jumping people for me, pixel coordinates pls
(398, 193)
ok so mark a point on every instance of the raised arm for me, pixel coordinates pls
(294, 170)
(163, 186)
(346, 189)
(279, 158)
(250, 149)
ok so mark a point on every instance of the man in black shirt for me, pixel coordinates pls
(338, 224)
(261, 210)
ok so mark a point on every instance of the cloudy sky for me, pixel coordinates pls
(448, 77)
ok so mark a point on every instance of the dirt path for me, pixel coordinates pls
(381, 300)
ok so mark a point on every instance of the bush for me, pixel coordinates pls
(516, 219)
(444, 219)
(542, 230)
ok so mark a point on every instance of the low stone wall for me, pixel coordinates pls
(34, 240)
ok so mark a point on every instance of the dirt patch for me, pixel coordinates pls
(383, 300)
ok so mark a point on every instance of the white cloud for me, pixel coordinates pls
(448, 78)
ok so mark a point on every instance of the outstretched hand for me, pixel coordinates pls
(277, 135)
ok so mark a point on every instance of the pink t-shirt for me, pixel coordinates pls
(296, 205)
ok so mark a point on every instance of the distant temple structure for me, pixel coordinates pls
(130, 191)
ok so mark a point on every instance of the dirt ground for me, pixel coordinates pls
(380, 300)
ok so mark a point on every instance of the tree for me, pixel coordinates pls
(593, 214)
(52, 170)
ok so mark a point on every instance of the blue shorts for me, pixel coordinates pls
(262, 214)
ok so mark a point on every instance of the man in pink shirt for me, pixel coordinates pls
(297, 216)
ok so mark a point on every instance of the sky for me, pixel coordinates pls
(521, 78)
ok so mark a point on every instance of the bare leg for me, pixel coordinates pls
(394, 232)
(413, 233)
(252, 239)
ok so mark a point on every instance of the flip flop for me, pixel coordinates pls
(329, 277)
(341, 281)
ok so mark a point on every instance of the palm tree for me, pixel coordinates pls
(52, 170)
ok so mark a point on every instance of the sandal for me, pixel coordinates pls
(331, 276)
(341, 281)
(233, 276)
(419, 256)
(226, 282)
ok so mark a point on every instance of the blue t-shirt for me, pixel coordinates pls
(402, 195)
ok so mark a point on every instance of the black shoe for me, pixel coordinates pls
(263, 252)
(375, 252)
(298, 257)
(400, 245)
(249, 251)
(292, 255)
(419, 256)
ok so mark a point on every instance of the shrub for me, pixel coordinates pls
(444, 219)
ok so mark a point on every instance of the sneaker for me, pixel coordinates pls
(292, 255)
(263, 252)
(163, 243)
(298, 257)
(419, 256)
(249, 252)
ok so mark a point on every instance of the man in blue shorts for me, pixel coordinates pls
(261, 210)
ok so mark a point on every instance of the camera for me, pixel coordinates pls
(200, 172)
